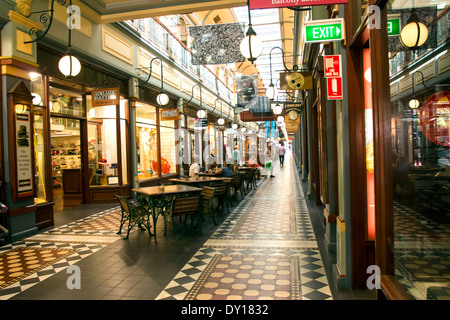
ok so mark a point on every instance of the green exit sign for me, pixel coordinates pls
(324, 30)
(393, 27)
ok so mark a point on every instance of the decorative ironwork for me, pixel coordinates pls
(46, 19)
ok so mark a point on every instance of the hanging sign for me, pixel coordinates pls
(296, 80)
(265, 4)
(332, 66)
(170, 114)
(201, 123)
(105, 97)
(334, 88)
(324, 30)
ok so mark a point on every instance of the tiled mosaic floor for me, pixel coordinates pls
(28, 262)
(265, 250)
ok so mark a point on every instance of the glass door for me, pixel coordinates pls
(65, 137)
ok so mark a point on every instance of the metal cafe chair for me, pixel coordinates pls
(223, 194)
(237, 182)
(135, 215)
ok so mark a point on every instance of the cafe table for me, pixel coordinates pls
(245, 168)
(199, 181)
(159, 198)
(210, 174)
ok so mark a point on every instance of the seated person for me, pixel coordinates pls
(194, 170)
(225, 171)
(252, 162)
(234, 168)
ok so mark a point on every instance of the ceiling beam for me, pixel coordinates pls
(165, 9)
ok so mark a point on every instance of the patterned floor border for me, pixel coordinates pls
(83, 243)
(312, 281)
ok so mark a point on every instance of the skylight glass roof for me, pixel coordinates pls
(266, 23)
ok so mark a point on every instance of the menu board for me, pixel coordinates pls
(24, 151)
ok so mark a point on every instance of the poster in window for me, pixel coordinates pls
(24, 151)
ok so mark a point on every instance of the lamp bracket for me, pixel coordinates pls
(150, 72)
(46, 20)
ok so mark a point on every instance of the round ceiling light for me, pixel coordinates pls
(69, 66)
(162, 99)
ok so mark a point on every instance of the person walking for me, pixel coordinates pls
(281, 153)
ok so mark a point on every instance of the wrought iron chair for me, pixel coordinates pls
(135, 215)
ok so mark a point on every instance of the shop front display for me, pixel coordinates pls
(420, 109)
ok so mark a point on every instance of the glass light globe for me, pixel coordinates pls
(201, 114)
(244, 129)
(36, 99)
(251, 41)
(221, 121)
(271, 92)
(414, 103)
(234, 126)
(69, 66)
(280, 119)
(414, 34)
(162, 98)
(277, 110)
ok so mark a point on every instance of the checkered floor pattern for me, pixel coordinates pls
(265, 249)
(28, 262)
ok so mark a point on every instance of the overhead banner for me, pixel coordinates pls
(265, 4)
(217, 44)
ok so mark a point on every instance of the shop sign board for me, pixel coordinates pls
(170, 114)
(334, 88)
(105, 97)
(332, 66)
(324, 30)
(265, 4)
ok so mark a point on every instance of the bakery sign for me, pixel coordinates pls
(265, 4)
(105, 97)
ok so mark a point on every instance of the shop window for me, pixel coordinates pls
(102, 146)
(147, 141)
(65, 102)
(42, 193)
(420, 128)
(168, 150)
(40, 156)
